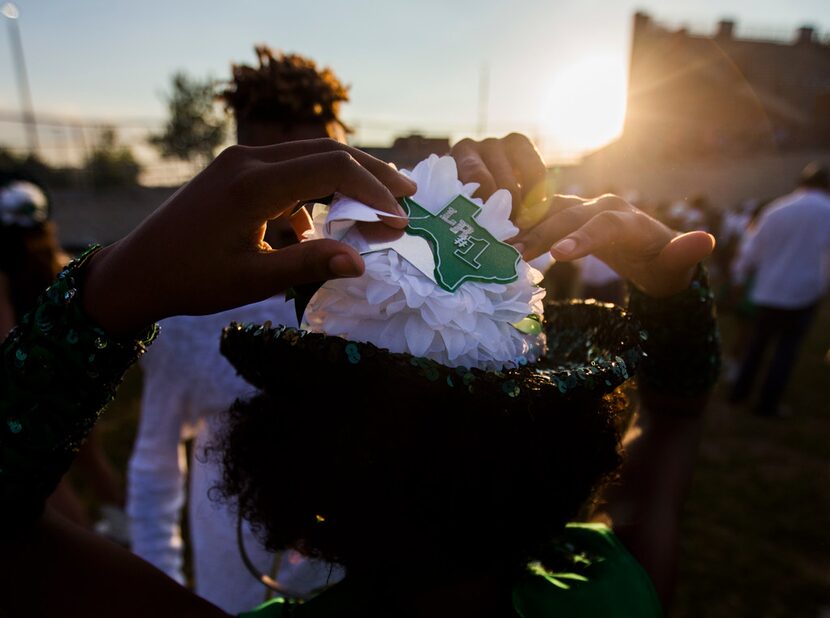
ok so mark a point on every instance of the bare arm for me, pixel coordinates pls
(59, 569)
(644, 506)
(681, 366)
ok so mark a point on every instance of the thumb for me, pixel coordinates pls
(686, 250)
(308, 262)
(679, 258)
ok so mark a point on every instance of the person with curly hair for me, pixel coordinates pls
(187, 385)
(287, 97)
(477, 469)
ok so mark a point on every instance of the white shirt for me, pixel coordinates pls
(735, 222)
(188, 384)
(595, 272)
(789, 251)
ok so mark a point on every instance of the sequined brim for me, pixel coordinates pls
(592, 349)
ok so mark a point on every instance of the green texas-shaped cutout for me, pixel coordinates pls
(463, 249)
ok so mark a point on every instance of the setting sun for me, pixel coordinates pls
(584, 106)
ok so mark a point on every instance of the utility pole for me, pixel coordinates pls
(483, 98)
(12, 13)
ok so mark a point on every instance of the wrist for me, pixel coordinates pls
(58, 369)
(682, 340)
(110, 296)
(674, 285)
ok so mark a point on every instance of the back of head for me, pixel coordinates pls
(815, 176)
(377, 482)
(285, 98)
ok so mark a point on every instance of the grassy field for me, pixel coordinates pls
(756, 530)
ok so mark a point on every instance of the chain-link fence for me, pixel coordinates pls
(68, 143)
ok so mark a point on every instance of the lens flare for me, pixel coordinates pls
(584, 106)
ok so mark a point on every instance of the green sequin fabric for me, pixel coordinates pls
(592, 349)
(682, 342)
(57, 373)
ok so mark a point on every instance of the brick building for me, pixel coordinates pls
(692, 95)
(407, 151)
(716, 115)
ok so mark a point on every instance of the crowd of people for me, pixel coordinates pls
(330, 478)
(770, 272)
(773, 263)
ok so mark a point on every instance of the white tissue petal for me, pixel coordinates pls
(495, 215)
(395, 306)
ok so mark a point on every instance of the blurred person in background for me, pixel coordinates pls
(188, 384)
(734, 224)
(710, 216)
(561, 280)
(788, 254)
(695, 214)
(599, 281)
(736, 292)
(29, 253)
(30, 258)
(730, 234)
(595, 279)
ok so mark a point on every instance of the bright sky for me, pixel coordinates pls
(557, 69)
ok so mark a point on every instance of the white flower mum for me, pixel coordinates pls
(395, 306)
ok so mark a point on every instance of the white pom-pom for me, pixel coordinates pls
(396, 306)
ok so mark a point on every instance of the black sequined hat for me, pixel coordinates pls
(592, 348)
(392, 450)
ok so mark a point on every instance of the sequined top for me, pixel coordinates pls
(57, 372)
(682, 343)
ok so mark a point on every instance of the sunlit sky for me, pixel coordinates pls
(557, 69)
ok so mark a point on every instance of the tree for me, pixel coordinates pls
(195, 128)
(33, 167)
(111, 165)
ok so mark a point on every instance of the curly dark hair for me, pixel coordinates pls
(284, 88)
(381, 473)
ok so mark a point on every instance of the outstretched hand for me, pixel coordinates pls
(638, 247)
(203, 250)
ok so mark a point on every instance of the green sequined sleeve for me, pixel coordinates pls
(57, 373)
(681, 339)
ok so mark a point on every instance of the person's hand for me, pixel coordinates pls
(203, 250)
(639, 248)
(511, 163)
